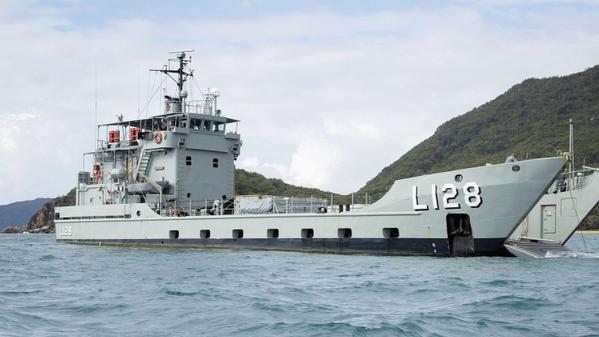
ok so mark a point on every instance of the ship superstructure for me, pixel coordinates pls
(168, 161)
(168, 181)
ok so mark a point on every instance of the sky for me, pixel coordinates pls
(328, 92)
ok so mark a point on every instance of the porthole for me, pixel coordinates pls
(458, 177)
(272, 233)
(516, 168)
(138, 213)
(392, 232)
(307, 233)
(205, 234)
(344, 233)
(238, 234)
(173, 234)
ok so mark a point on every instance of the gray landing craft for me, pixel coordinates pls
(168, 181)
(553, 220)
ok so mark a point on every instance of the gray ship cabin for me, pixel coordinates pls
(167, 161)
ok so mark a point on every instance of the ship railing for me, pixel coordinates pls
(262, 205)
(571, 181)
(195, 208)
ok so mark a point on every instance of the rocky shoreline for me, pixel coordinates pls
(43, 220)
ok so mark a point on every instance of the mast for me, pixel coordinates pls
(571, 150)
(181, 74)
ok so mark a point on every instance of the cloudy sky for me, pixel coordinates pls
(329, 92)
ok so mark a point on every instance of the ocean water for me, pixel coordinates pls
(52, 289)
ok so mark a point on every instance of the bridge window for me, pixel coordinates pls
(219, 127)
(183, 123)
(196, 124)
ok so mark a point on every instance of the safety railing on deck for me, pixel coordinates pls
(571, 181)
(253, 205)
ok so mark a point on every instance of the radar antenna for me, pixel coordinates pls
(182, 74)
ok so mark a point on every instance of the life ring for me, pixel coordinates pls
(158, 137)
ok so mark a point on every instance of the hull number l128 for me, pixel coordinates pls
(471, 191)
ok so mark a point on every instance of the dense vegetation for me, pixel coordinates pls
(529, 120)
(255, 183)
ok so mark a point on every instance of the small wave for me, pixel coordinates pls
(47, 258)
(94, 308)
(19, 292)
(270, 307)
(181, 293)
(499, 283)
(588, 255)
(571, 254)
(515, 302)
(327, 329)
(423, 290)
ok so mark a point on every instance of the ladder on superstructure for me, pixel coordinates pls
(144, 161)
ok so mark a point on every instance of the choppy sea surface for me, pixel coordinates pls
(52, 289)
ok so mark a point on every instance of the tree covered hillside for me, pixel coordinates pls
(255, 183)
(529, 120)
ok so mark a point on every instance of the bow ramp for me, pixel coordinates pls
(537, 248)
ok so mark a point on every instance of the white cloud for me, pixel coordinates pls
(249, 163)
(325, 99)
(364, 128)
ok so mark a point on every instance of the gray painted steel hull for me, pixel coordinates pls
(395, 246)
(507, 194)
(568, 210)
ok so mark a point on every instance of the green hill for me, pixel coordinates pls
(529, 120)
(255, 183)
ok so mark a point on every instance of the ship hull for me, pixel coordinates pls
(395, 246)
(558, 213)
(417, 216)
